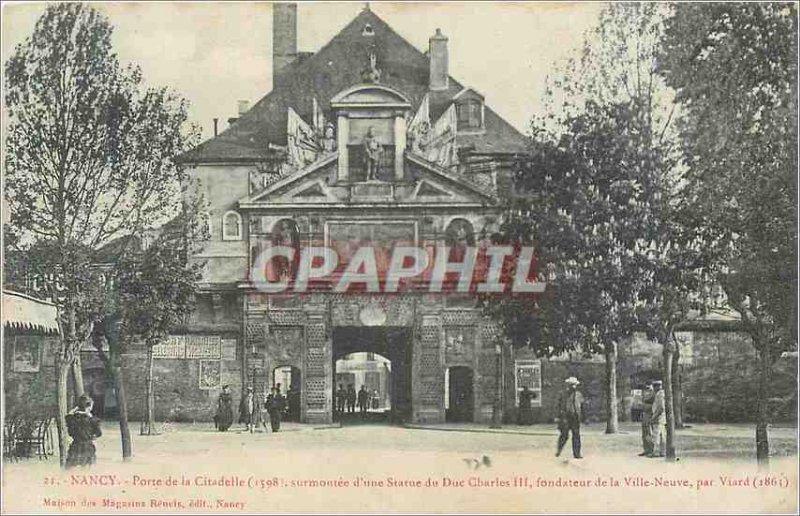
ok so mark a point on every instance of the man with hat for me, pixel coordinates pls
(658, 421)
(569, 417)
(249, 410)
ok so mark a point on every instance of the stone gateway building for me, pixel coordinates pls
(368, 140)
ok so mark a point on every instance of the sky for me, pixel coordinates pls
(216, 54)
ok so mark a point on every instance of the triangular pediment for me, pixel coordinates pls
(312, 191)
(427, 189)
(425, 184)
(297, 182)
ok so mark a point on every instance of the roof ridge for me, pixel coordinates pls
(407, 71)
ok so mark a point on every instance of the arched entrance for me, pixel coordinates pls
(101, 389)
(288, 379)
(379, 359)
(460, 398)
(363, 391)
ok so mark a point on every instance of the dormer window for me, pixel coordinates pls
(469, 110)
(232, 226)
(368, 30)
(470, 115)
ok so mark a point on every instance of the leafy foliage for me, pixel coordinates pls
(88, 161)
(155, 286)
(735, 72)
(88, 155)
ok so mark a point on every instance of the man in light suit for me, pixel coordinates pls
(569, 417)
(658, 422)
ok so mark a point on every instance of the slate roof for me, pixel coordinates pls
(335, 67)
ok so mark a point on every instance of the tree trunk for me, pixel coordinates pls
(497, 409)
(77, 377)
(612, 421)
(122, 406)
(62, 380)
(668, 400)
(762, 411)
(147, 424)
(113, 364)
(677, 387)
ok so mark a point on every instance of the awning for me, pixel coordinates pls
(28, 313)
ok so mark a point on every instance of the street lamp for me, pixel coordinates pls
(498, 394)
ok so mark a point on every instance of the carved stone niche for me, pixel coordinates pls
(285, 343)
(365, 114)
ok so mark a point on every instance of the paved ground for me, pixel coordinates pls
(301, 456)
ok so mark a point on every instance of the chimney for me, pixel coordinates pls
(216, 121)
(437, 53)
(284, 37)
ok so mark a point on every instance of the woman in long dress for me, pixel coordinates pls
(84, 428)
(224, 415)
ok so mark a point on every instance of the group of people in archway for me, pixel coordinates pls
(347, 398)
(255, 410)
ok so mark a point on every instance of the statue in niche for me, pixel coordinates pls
(373, 152)
(372, 73)
(329, 139)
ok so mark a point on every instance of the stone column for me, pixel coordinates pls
(428, 368)
(399, 146)
(317, 373)
(342, 139)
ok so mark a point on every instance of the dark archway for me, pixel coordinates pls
(289, 380)
(390, 343)
(101, 389)
(460, 397)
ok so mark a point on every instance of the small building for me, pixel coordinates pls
(30, 345)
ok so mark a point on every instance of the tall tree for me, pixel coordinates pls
(735, 71)
(617, 66)
(88, 159)
(586, 201)
(155, 287)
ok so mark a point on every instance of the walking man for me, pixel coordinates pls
(569, 417)
(363, 399)
(648, 396)
(658, 422)
(275, 405)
